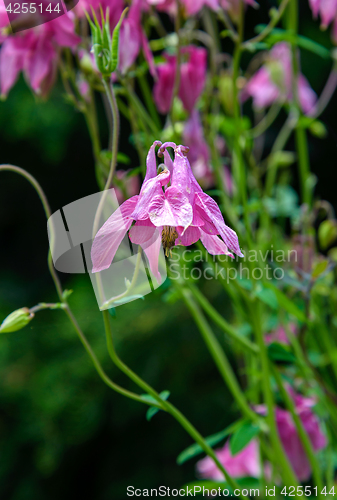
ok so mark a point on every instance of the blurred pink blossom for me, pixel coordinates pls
(198, 154)
(288, 434)
(280, 334)
(243, 464)
(34, 52)
(327, 10)
(192, 78)
(273, 81)
(131, 185)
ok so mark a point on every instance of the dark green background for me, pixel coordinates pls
(63, 434)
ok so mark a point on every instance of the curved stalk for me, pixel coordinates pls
(66, 308)
(166, 405)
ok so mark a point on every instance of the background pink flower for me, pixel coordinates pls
(192, 78)
(245, 463)
(273, 81)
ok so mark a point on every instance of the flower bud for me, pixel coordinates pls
(327, 233)
(105, 47)
(16, 320)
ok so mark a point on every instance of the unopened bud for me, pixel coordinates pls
(16, 320)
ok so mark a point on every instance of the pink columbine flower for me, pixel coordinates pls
(34, 52)
(288, 434)
(327, 10)
(176, 214)
(273, 81)
(192, 78)
(243, 464)
(198, 154)
(280, 334)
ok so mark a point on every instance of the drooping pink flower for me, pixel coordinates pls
(280, 334)
(198, 154)
(289, 437)
(192, 78)
(273, 81)
(327, 10)
(246, 463)
(34, 52)
(179, 214)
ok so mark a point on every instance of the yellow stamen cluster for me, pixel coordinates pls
(168, 238)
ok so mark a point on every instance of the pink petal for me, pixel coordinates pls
(152, 248)
(111, 234)
(129, 44)
(141, 232)
(40, 63)
(211, 209)
(13, 52)
(151, 163)
(171, 209)
(190, 236)
(214, 245)
(328, 10)
(207, 225)
(150, 189)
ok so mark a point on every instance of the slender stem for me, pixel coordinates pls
(218, 355)
(111, 301)
(300, 430)
(176, 83)
(303, 163)
(166, 405)
(66, 308)
(300, 132)
(268, 29)
(221, 322)
(326, 93)
(144, 85)
(288, 474)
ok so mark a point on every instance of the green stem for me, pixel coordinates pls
(269, 28)
(166, 405)
(221, 322)
(111, 302)
(218, 355)
(300, 132)
(288, 474)
(300, 430)
(144, 85)
(66, 308)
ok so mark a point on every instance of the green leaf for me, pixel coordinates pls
(212, 440)
(286, 303)
(115, 41)
(153, 410)
(278, 35)
(242, 437)
(278, 352)
(268, 297)
(112, 312)
(319, 268)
